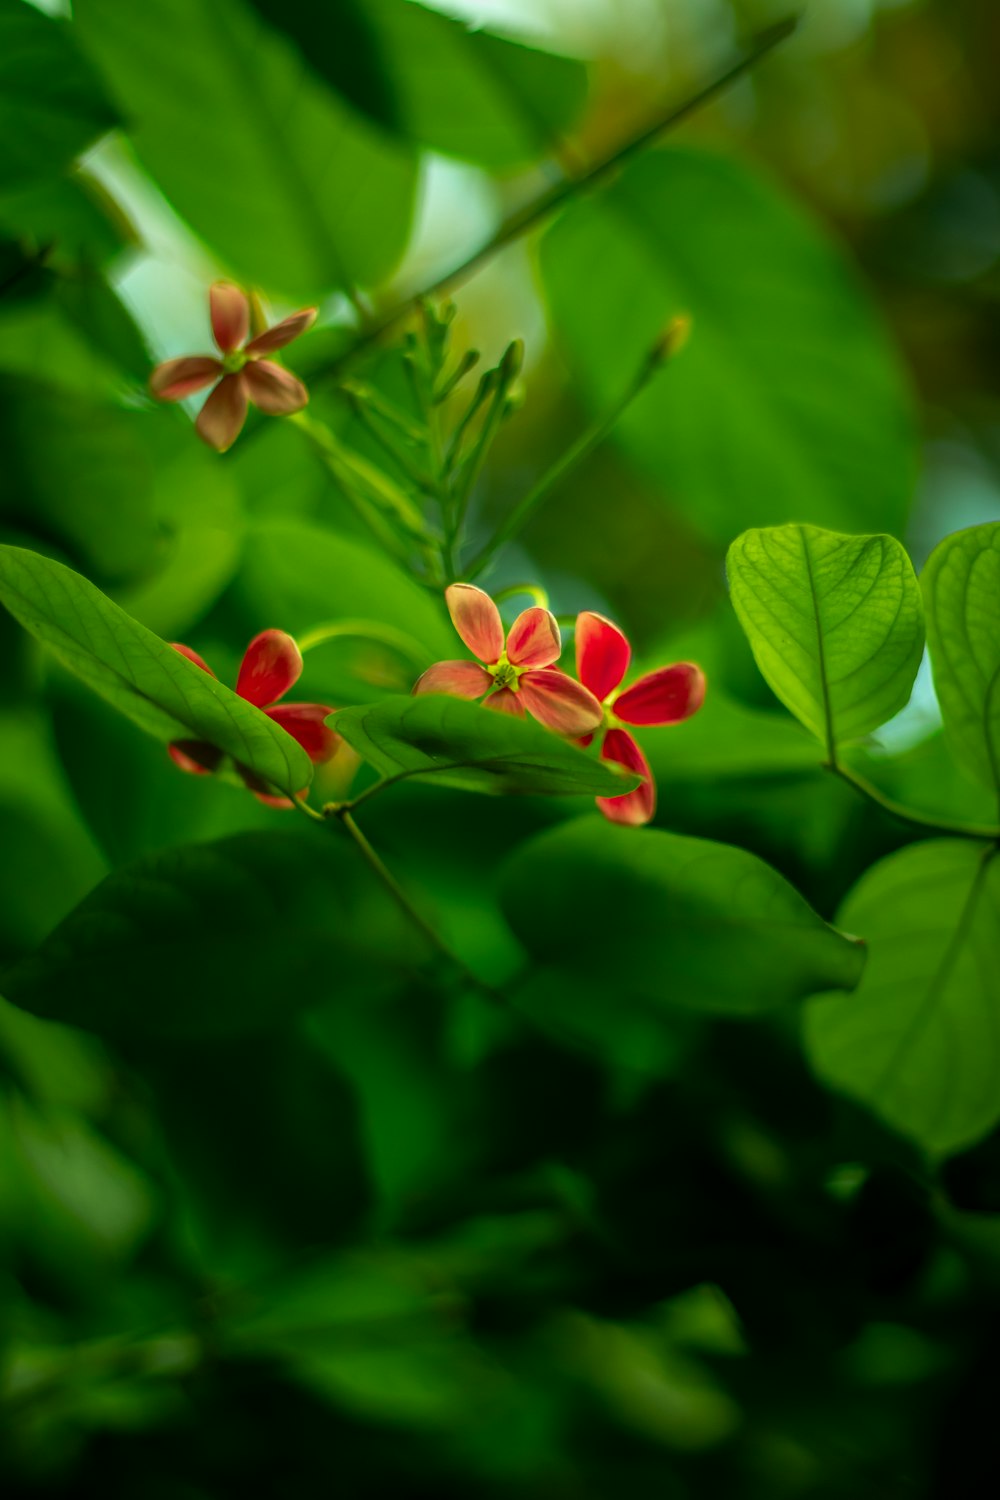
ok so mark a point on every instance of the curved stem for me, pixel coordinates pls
(392, 885)
(903, 814)
(533, 591)
(365, 630)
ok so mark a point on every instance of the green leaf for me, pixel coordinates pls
(788, 403)
(77, 473)
(213, 940)
(918, 1042)
(464, 745)
(52, 107)
(680, 921)
(305, 576)
(139, 674)
(835, 624)
(263, 161)
(432, 79)
(961, 584)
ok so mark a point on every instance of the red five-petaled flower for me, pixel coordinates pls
(271, 665)
(518, 672)
(243, 374)
(663, 697)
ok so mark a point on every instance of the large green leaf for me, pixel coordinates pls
(212, 939)
(52, 106)
(152, 684)
(77, 474)
(270, 167)
(835, 624)
(788, 403)
(962, 594)
(918, 1042)
(434, 80)
(463, 745)
(680, 921)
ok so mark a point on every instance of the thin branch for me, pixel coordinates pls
(548, 202)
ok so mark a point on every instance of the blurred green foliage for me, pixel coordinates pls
(286, 1206)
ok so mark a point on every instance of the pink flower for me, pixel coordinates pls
(271, 665)
(518, 672)
(663, 697)
(241, 375)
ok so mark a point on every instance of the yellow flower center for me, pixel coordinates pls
(504, 673)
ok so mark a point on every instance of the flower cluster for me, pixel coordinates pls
(242, 375)
(272, 663)
(517, 673)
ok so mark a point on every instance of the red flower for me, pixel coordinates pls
(663, 697)
(271, 665)
(242, 374)
(518, 673)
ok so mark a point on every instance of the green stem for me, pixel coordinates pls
(366, 630)
(588, 440)
(548, 202)
(903, 814)
(533, 591)
(392, 885)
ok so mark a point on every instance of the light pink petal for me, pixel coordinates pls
(282, 333)
(230, 316)
(177, 378)
(221, 419)
(273, 389)
(477, 620)
(199, 661)
(503, 701)
(533, 639)
(634, 807)
(272, 663)
(196, 757)
(560, 702)
(602, 654)
(663, 697)
(462, 679)
(306, 723)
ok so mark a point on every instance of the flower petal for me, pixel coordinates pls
(199, 661)
(221, 419)
(559, 702)
(503, 701)
(306, 723)
(196, 757)
(534, 640)
(477, 620)
(663, 697)
(273, 389)
(462, 679)
(230, 315)
(638, 806)
(272, 663)
(262, 791)
(177, 378)
(282, 333)
(602, 653)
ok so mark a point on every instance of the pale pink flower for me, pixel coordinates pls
(242, 375)
(518, 672)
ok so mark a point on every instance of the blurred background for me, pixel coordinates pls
(414, 1247)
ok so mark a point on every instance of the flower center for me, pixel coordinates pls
(504, 673)
(233, 363)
